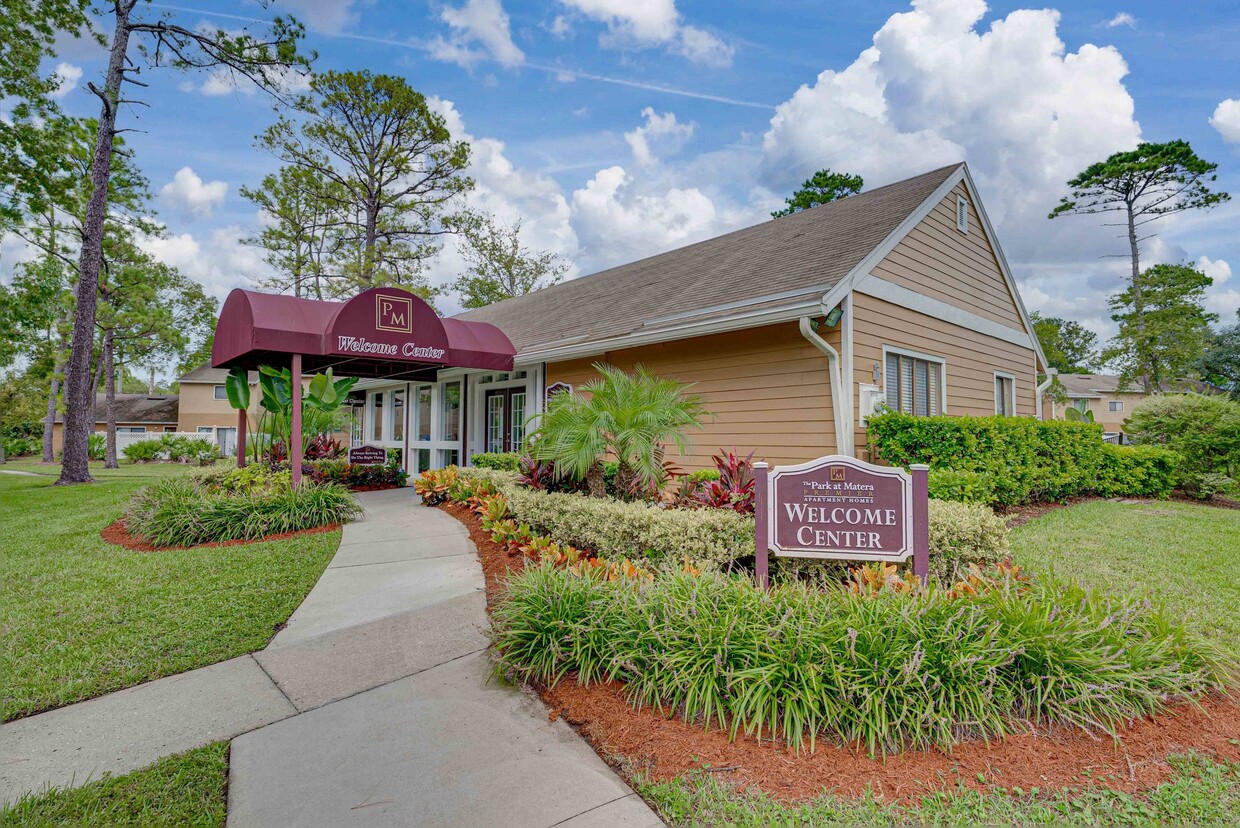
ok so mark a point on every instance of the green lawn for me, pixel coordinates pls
(1200, 792)
(1182, 553)
(80, 617)
(187, 789)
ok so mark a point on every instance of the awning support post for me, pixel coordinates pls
(242, 425)
(294, 454)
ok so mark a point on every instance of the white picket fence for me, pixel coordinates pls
(227, 440)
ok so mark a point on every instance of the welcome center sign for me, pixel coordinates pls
(840, 508)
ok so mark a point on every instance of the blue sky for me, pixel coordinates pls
(619, 128)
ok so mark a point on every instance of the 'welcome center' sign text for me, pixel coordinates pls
(837, 507)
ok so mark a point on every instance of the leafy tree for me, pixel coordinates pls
(621, 415)
(302, 238)
(28, 32)
(824, 187)
(1145, 184)
(386, 162)
(159, 42)
(1220, 364)
(1070, 347)
(499, 266)
(1161, 340)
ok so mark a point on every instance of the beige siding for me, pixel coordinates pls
(1109, 420)
(971, 358)
(960, 269)
(198, 407)
(768, 390)
(58, 433)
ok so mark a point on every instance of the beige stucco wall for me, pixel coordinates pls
(961, 269)
(198, 407)
(58, 433)
(1109, 420)
(767, 388)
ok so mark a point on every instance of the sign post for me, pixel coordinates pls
(840, 508)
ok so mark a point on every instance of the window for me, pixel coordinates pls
(376, 422)
(206, 429)
(131, 429)
(451, 411)
(1005, 395)
(170, 429)
(914, 384)
(398, 416)
(962, 214)
(221, 393)
(1081, 404)
(1115, 405)
(424, 415)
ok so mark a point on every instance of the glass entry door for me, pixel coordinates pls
(505, 419)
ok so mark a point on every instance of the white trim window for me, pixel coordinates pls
(131, 429)
(962, 214)
(1115, 406)
(914, 383)
(1005, 394)
(221, 392)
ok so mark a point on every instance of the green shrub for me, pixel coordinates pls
(1016, 459)
(96, 445)
(503, 461)
(704, 476)
(356, 475)
(1203, 429)
(891, 672)
(961, 486)
(717, 539)
(183, 512)
(249, 478)
(143, 451)
(22, 446)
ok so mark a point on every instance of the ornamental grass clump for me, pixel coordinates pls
(888, 670)
(186, 512)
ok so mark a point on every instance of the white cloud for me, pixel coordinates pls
(224, 81)
(328, 16)
(659, 130)
(1226, 119)
(560, 28)
(1216, 269)
(220, 262)
(648, 23)
(1122, 19)
(616, 223)
(67, 77)
(478, 21)
(188, 192)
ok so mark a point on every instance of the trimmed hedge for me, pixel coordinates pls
(717, 539)
(501, 461)
(1012, 460)
(1203, 429)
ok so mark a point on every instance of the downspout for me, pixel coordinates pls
(843, 433)
(1051, 373)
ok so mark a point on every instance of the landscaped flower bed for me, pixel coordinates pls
(357, 477)
(240, 504)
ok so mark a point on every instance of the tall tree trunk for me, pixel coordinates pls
(1138, 307)
(150, 385)
(49, 420)
(372, 232)
(109, 371)
(79, 421)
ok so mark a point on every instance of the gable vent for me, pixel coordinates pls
(962, 214)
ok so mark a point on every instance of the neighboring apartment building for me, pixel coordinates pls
(151, 414)
(1110, 403)
(792, 330)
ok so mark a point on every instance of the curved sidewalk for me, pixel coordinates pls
(375, 705)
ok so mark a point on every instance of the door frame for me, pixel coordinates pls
(507, 394)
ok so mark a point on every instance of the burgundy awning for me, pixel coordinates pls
(381, 332)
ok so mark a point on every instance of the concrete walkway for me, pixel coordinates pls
(375, 705)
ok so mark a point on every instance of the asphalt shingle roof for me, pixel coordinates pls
(814, 248)
(1087, 384)
(138, 408)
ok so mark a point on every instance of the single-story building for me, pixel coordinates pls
(793, 330)
(151, 414)
(1111, 404)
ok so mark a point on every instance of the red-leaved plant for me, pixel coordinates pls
(324, 447)
(735, 487)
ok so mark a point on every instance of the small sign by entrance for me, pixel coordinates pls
(840, 508)
(368, 455)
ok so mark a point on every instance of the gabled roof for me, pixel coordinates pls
(766, 265)
(159, 409)
(1086, 385)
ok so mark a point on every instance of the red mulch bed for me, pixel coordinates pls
(118, 534)
(665, 747)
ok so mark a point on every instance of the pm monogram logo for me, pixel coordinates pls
(837, 474)
(394, 313)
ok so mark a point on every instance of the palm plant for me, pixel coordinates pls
(628, 417)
